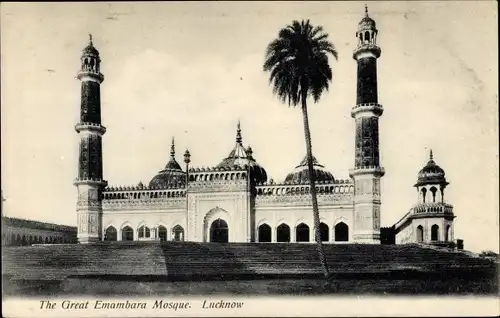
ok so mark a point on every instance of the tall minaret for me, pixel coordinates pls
(90, 180)
(367, 171)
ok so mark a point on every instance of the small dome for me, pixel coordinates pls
(171, 176)
(90, 49)
(242, 158)
(367, 22)
(300, 175)
(431, 173)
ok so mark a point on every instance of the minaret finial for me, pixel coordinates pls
(238, 133)
(431, 157)
(366, 9)
(172, 148)
(90, 38)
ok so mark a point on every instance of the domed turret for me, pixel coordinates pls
(431, 173)
(90, 50)
(243, 158)
(367, 23)
(300, 175)
(172, 175)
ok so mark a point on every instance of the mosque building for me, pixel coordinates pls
(236, 202)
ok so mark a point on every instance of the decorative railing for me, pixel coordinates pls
(338, 187)
(142, 193)
(433, 208)
(90, 126)
(221, 174)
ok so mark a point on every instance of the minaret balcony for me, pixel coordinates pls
(370, 108)
(374, 170)
(366, 49)
(91, 75)
(439, 208)
(92, 182)
(93, 127)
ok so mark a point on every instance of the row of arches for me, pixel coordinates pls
(24, 240)
(144, 233)
(302, 233)
(304, 190)
(435, 233)
(431, 194)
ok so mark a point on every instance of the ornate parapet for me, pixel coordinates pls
(340, 192)
(218, 180)
(366, 48)
(374, 108)
(141, 196)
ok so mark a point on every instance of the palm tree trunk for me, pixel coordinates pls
(312, 181)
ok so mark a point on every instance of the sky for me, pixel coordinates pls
(191, 70)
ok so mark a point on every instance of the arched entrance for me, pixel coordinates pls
(264, 233)
(283, 233)
(302, 233)
(341, 232)
(178, 233)
(324, 232)
(110, 234)
(435, 233)
(162, 233)
(127, 234)
(219, 231)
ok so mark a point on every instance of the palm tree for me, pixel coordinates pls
(298, 64)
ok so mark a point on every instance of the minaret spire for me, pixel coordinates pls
(90, 39)
(172, 148)
(431, 157)
(238, 133)
(366, 10)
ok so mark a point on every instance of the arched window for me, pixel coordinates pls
(127, 234)
(40, 240)
(435, 233)
(367, 36)
(341, 232)
(302, 233)
(324, 232)
(46, 240)
(110, 234)
(13, 239)
(178, 233)
(144, 232)
(264, 233)
(283, 233)
(420, 233)
(24, 241)
(162, 233)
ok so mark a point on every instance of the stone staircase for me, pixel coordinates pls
(208, 261)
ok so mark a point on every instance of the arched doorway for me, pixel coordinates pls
(162, 233)
(110, 234)
(127, 234)
(341, 232)
(420, 233)
(447, 233)
(302, 233)
(219, 231)
(435, 233)
(264, 233)
(324, 232)
(283, 233)
(144, 232)
(178, 233)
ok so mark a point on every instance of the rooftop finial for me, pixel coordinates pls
(172, 148)
(366, 9)
(238, 133)
(430, 155)
(90, 38)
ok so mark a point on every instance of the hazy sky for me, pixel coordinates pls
(191, 70)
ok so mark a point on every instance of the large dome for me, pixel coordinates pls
(431, 173)
(300, 175)
(171, 176)
(242, 158)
